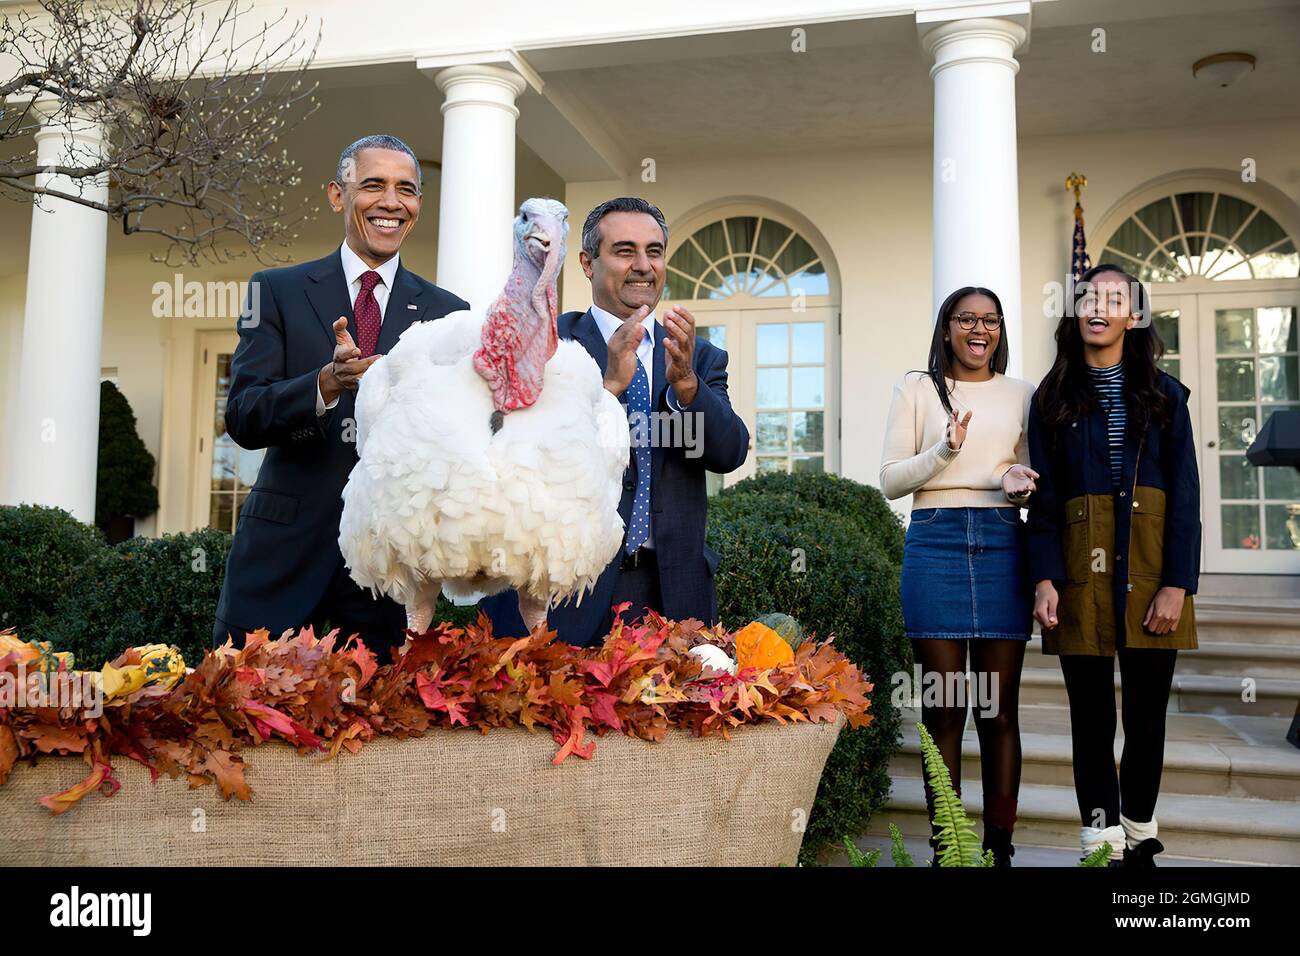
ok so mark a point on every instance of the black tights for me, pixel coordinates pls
(995, 665)
(1146, 676)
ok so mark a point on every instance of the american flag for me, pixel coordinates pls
(1079, 261)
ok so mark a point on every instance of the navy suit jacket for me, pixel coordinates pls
(678, 499)
(286, 549)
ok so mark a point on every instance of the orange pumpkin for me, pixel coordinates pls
(757, 645)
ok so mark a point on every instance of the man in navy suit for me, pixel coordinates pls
(310, 332)
(674, 385)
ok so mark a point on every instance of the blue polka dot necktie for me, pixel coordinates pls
(638, 413)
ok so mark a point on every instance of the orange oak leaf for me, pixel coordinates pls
(228, 771)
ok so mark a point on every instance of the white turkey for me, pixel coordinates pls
(490, 453)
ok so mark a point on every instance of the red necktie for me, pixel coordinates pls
(366, 312)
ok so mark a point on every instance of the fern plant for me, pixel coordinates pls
(958, 843)
(1098, 857)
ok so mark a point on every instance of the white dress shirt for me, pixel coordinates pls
(353, 269)
(608, 325)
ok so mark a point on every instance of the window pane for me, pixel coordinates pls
(221, 514)
(249, 462)
(1236, 379)
(1278, 381)
(809, 342)
(1238, 478)
(796, 255)
(1240, 526)
(715, 334)
(689, 260)
(1166, 324)
(771, 429)
(1281, 482)
(1237, 427)
(1131, 240)
(1262, 232)
(773, 343)
(225, 458)
(809, 387)
(808, 431)
(1280, 263)
(767, 465)
(1283, 523)
(1277, 329)
(770, 237)
(771, 388)
(1234, 330)
(810, 281)
(1169, 365)
(741, 230)
(807, 465)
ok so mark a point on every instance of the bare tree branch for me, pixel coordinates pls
(192, 98)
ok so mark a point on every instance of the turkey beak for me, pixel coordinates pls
(543, 233)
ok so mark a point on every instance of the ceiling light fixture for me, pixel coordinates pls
(1223, 69)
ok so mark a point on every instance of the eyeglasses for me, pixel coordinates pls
(992, 321)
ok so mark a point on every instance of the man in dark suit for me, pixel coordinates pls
(310, 332)
(676, 385)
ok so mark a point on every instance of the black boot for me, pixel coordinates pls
(998, 840)
(1142, 856)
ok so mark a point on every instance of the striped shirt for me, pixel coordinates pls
(1109, 383)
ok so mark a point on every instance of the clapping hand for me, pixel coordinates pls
(957, 429)
(621, 365)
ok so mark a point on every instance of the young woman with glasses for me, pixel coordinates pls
(957, 440)
(1115, 543)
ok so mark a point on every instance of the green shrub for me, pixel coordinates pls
(40, 549)
(142, 591)
(124, 479)
(863, 505)
(832, 567)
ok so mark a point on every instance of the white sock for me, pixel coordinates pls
(1135, 832)
(1090, 838)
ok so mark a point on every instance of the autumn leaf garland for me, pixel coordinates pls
(300, 689)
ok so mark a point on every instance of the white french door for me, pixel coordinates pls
(782, 376)
(1248, 369)
(223, 472)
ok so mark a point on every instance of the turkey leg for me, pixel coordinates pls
(532, 611)
(419, 613)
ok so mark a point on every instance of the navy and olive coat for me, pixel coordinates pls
(1108, 548)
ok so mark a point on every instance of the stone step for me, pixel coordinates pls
(1225, 829)
(1214, 658)
(1190, 693)
(919, 849)
(1268, 621)
(1203, 755)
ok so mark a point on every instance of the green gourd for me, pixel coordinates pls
(784, 625)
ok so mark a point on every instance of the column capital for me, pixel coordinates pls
(502, 66)
(990, 33)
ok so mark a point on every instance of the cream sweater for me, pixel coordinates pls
(917, 459)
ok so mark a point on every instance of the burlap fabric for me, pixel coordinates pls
(449, 798)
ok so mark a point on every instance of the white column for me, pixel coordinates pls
(976, 202)
(477, 204)
(56, 433)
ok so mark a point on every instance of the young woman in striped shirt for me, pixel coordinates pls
(1114, 541)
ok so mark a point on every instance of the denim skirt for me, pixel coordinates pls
(964, 575)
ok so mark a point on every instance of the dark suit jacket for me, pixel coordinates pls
(678, 501)
(287, 548)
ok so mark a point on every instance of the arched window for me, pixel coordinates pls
(1212, 235)
(751, 254)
